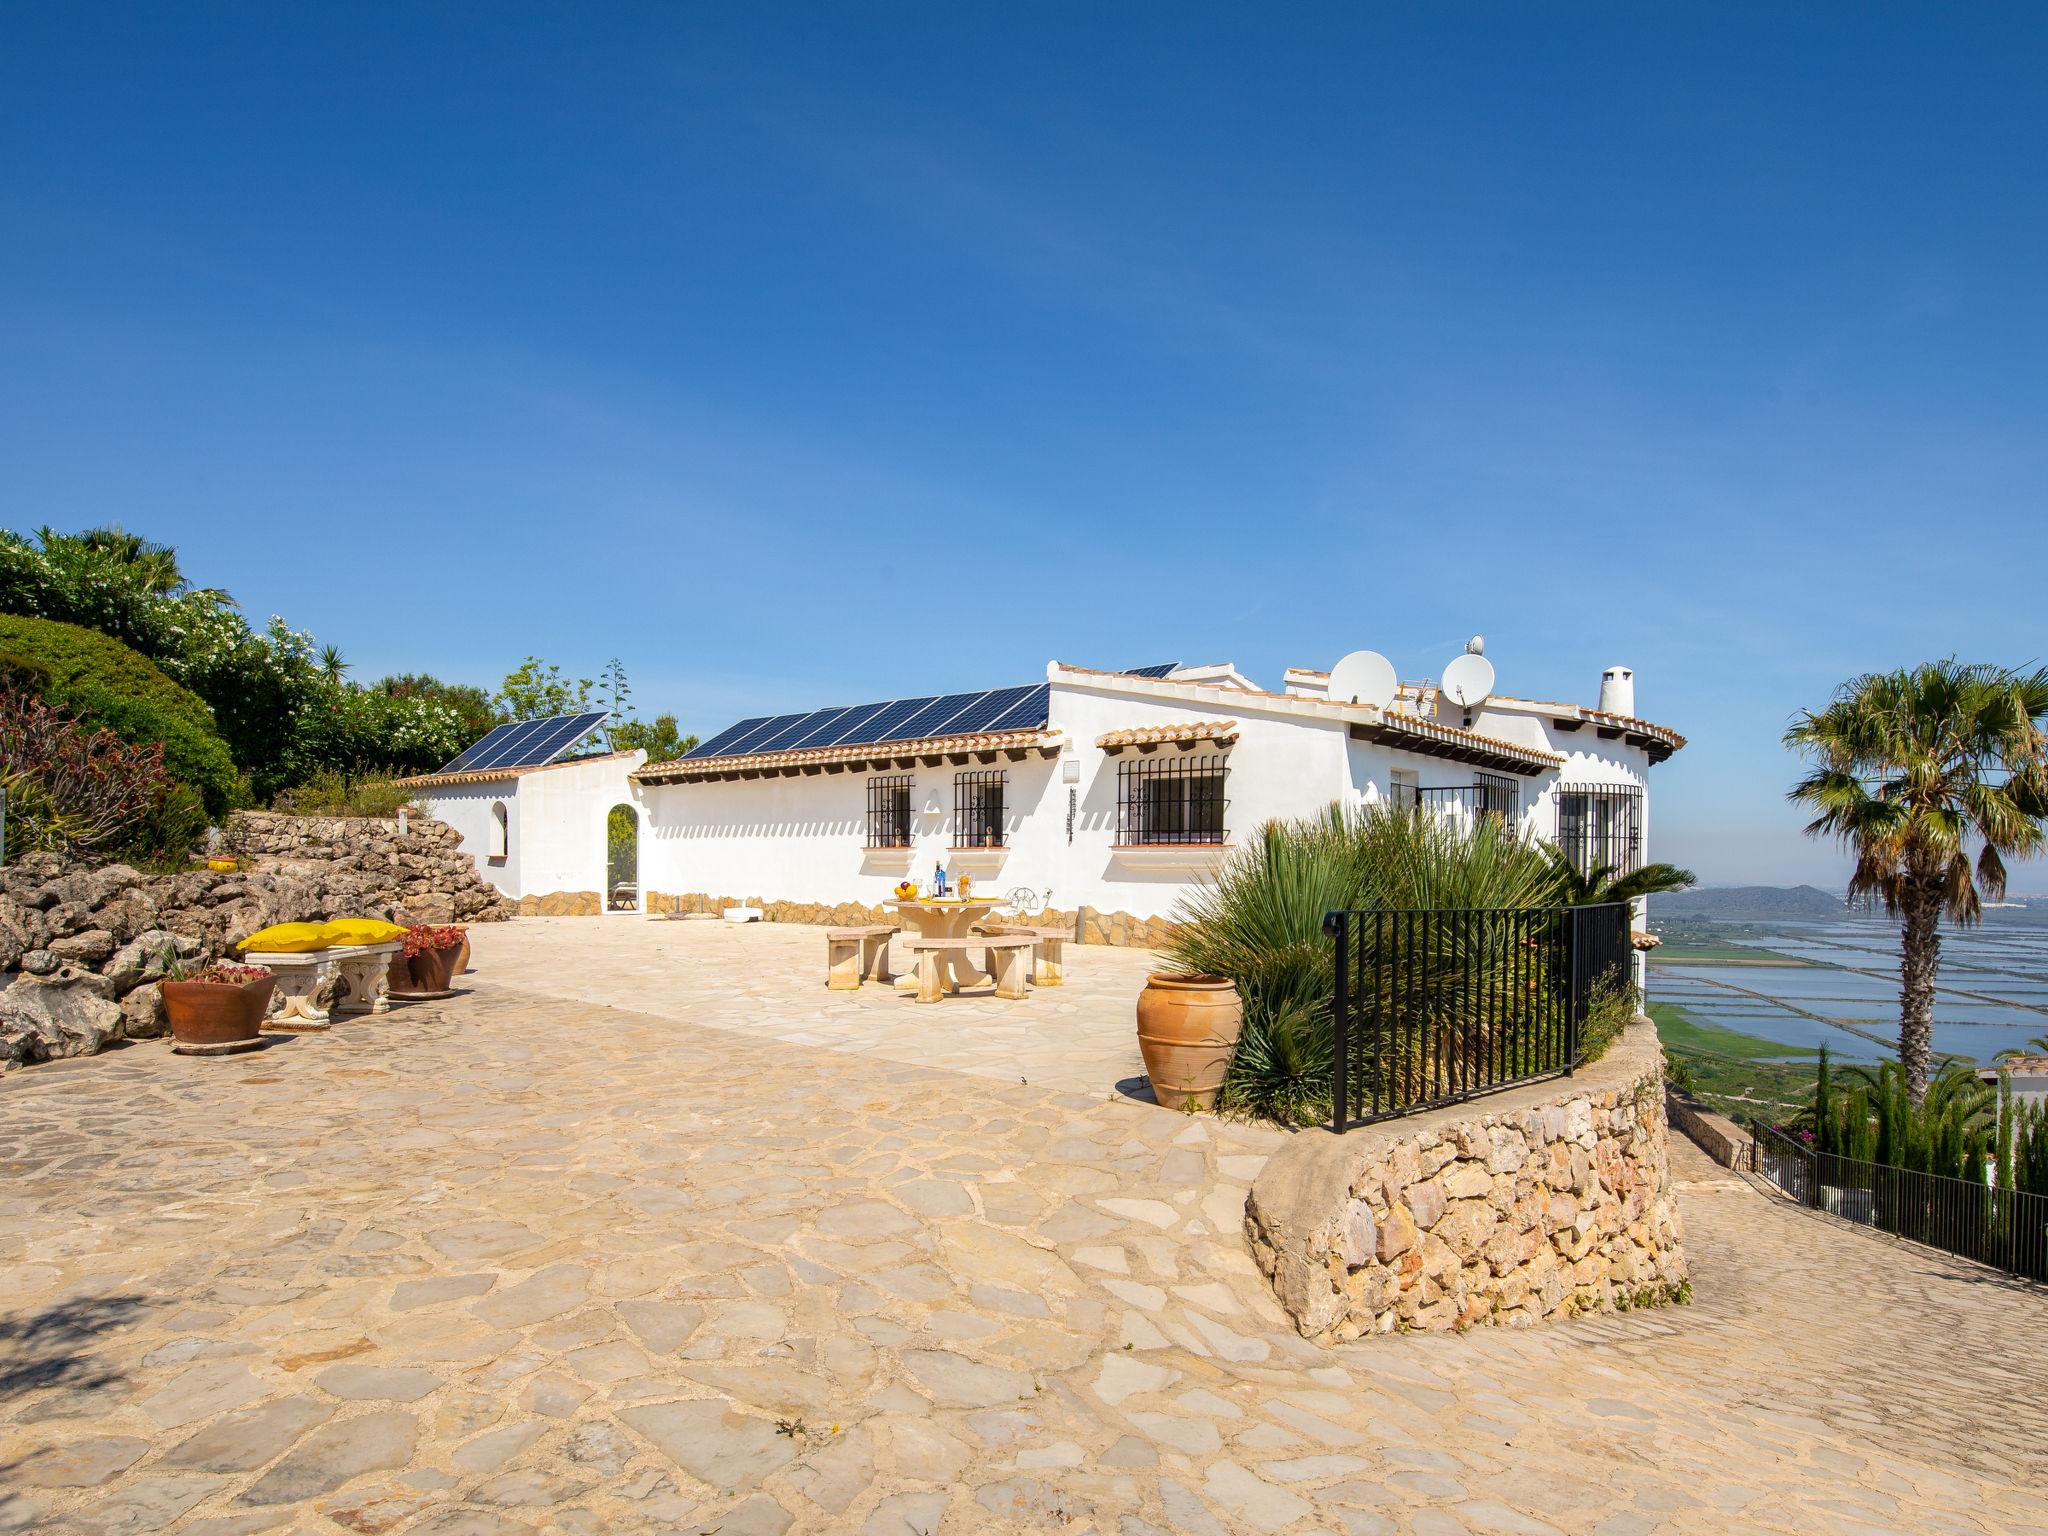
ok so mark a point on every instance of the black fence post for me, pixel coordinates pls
(1337, 925)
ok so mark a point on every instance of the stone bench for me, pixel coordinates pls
(345, 978)
(1049, 950)
(854, 955)
(1006, 962)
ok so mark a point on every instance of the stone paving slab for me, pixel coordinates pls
(521, 1263)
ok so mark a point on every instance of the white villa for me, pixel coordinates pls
(1114, 791)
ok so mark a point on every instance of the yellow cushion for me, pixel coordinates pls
(289, 939)
(361, 930)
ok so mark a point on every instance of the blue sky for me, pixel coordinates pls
(743, 342)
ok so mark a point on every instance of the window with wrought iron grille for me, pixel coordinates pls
(889, 811)
(1495, 795)
(1169, 799)
(978, 809)
(1601, 828)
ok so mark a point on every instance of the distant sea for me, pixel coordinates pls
(1992, 994)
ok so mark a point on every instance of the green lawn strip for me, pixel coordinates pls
(1681, 1032)
(1732, 1071)
(1679, 952)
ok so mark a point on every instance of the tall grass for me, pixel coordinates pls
(1260, 922)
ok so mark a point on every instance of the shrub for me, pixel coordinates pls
(102, 682)
(1261, 924)
(80, 789)
(328, 793)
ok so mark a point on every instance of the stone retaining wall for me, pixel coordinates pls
(1713, 1133)
(1533, 1203)
(1089, 926)
(82, 946)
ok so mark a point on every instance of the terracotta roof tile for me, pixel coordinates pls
(481, 775)
(803, 757)
(1159, 735)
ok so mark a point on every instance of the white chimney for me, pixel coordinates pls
(1618, 691)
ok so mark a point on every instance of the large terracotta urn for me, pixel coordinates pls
(1187, 1033)
(214, 1018)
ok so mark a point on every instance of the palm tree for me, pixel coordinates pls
(1910, 770)
(332, 665)
(1604, 883)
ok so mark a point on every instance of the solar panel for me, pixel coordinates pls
(1160, 670)
(548, 740)
(988, 708)
(827, 731)
(526, 743)
(890, 720)
(848, 728)
(721, 744)
(936, 718)
(793, 729)
(1031, 710)
(887, 724)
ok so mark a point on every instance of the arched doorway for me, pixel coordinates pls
(622, 859)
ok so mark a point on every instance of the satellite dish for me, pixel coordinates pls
(1364, 677)
(1468, 680)
(1476, 645)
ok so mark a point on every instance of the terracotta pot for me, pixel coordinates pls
(433, 970)
(213, 1018)
(1187, 1032)
(461, 955)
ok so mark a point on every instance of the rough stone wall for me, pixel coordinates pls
(1713, 1133)
(82, 947)
(1535, 1203)
(1088, 925)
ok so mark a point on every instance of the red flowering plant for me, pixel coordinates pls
(421, 937)
(221, 973)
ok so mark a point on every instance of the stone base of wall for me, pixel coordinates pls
(1535, 1203)
(1087, 925)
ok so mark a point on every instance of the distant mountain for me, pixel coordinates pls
(1742, 903)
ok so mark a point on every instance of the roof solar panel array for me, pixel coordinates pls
(953, 714)
(526, 743)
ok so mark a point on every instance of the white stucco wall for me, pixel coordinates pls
(467, 808)
(555, 818)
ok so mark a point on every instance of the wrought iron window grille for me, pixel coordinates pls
(889, 811)
(1171, 800)
(978, 809)
(1601, 827)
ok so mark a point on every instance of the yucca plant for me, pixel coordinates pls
(1260, 922)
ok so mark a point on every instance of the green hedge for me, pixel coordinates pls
(100, 679)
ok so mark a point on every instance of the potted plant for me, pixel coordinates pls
(427, 963)
(1188, 1025)
(218, 1009)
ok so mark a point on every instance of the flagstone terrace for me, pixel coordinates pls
(652, 1232)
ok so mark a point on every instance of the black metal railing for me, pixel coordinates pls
(2006, 1229)
(1173, 799)
(889, 811)
(978, 809)
(1601, 826)
(1434, 1006)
